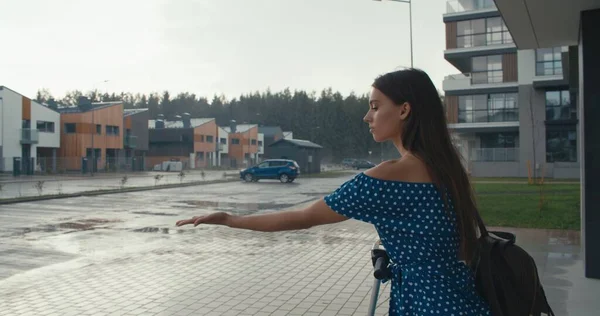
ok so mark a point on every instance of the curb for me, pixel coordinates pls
(110, 191)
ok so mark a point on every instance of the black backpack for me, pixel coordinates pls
(506, 276)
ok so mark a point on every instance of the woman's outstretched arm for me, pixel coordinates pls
(316, 214)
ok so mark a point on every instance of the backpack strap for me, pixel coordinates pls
(486, 273)
(482, 230)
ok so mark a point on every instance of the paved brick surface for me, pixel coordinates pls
(138, 263)
(216, 272)
(122, 255)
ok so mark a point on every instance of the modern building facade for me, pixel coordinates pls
(190, 140)
(29, 134)
(544, 25)
(512, 111)
(135, 138)
(92, 131)
(243, 144)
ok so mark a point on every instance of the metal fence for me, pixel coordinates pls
(70, 165)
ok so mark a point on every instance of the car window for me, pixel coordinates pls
(264, 165)
(277, 163)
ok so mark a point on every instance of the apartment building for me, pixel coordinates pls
(575, 24)
(91, 135)
(192, 141)
(29, 134)
(243, 144)
(507, 107)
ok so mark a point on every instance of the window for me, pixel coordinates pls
(235, 141)
(263, 165)
(69, 128)
(112, 130)
(559, 106)
(98, 129)
(548, 61)
(561, 145)
(200, 155)
(500, 107)
(202, 138)
(260, 143)
(253, 142)
(487, 69)
(499, 140)
(45, 127)
(209, 139)
(224, 141)
(482, 32)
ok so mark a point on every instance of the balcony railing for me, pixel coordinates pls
(483, 77)
(495, 154)
(456, 6)
(488, 115)
(29, 136)
(130, 141)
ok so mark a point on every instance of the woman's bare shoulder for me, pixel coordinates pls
(407, 170)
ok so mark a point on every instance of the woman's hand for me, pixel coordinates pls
(219, 218)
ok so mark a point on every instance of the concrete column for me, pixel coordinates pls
(589, 115)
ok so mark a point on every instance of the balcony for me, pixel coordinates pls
(460, 6)
(29, 136)
(130, 141)
(495, 154)
(476, 80)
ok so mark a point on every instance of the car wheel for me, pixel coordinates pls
(284, 178)
(248, 177)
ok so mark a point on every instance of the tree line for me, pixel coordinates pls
(327, 118)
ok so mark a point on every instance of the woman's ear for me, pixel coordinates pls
(405, 110)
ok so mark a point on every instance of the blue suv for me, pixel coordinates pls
(283, 169)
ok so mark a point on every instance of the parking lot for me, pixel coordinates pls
(121, 254)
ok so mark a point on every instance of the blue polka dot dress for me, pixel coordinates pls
(422, 241)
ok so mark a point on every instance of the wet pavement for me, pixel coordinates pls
(51, 185)
(121, 254)
(26, 186)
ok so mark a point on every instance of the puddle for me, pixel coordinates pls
(69, 227)
(157, 213)
(316, 194)
(165, 230)
(238, 208)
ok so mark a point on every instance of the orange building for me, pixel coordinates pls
(243, 144)
(190, 140)
(91, 130)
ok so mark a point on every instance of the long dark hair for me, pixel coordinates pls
(425, 134)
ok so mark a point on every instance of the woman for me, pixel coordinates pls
(421, 205)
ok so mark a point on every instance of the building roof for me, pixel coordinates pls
(128, 112)
(195, 122)
(95, 106)
(270, 130)
(298, 143)
(42, 104)
(241, 128)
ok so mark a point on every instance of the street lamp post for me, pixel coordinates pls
(411, 43)
(410, 26)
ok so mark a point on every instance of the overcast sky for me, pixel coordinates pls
(212, 47)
